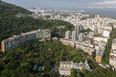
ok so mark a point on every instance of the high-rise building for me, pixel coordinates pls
(81, 37)
(77, 28)
(93, 15)
(74, 35)
(95, 30)
(68, 35)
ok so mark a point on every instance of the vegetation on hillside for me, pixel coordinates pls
(24, 57)
(19, 62)
(87, 30)
(10, 8)
(11, 25)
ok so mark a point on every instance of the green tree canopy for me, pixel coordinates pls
(72, 72)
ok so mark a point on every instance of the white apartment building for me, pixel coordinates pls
(16, 40)
(106, 33)
(68, 35)
(112, 57)
(74, 35)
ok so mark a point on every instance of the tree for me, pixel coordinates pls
(62, 76)
(80, 50)
(46, 75)
(5, 73)
(25, 65)
(53, 74)
(78, 74)
(93, 54)
(72, 72)
(84, 70)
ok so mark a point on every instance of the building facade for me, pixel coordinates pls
(85, 48)
(101, 50)
(81, 37)
(17, 40)
(65, 67)
(77, 28)
(67, 42)
(74, 35)
(112, 57)
(68, 35)
(106, 33)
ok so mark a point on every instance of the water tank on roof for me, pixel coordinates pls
(40, 29)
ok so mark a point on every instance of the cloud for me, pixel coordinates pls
(100, 7)
(106, 2)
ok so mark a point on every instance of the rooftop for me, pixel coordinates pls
(100, 51)
(22, 34)
(65, 62)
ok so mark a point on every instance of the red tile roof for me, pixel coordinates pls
(67, 69)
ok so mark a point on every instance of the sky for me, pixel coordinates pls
(63, 4)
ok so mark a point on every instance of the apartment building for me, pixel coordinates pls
(85, 48)
(16, 40)
(81, 37)
(68, 35)
(101, 50)
(112, 57)
(74, 35)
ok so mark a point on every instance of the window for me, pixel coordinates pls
(7, 43)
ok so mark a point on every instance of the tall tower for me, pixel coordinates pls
(81, 37)
(68, 35)
(77, 28)
(74, 35)
(93, 15)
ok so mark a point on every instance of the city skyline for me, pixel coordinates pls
(65, 4)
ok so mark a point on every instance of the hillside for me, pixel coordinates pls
(6, 7)
(43, 54)
(11, 25)
(19, 62)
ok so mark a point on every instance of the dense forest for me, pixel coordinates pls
(19, 62)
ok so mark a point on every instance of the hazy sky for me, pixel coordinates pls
(68, 4)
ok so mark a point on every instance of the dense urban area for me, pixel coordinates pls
(38, 42)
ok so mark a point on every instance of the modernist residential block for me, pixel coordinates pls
(16, 40)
